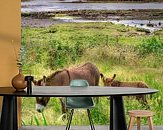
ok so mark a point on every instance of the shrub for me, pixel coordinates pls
(152, 45)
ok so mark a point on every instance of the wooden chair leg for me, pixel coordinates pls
(138, 123)
(131, 123)
(150, 123)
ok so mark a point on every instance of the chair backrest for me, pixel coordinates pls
(79, 83)
(79, 102)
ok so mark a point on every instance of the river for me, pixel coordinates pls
(52, 5)
(62, 5)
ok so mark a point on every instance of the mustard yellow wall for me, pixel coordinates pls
(10, 29)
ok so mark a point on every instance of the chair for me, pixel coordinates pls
(79, 102)
(138, 114)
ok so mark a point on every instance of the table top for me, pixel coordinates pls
(67, 91)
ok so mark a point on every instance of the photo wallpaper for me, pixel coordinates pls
(122, 39)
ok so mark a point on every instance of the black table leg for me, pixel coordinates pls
(9, 113)
(117, 114)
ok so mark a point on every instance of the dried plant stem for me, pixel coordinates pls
(14, 49)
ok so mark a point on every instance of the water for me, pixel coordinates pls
(157, 24)
(62, 5)
(52, 5)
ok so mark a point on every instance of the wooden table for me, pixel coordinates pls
(117, 113)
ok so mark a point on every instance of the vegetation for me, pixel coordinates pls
(129, 52)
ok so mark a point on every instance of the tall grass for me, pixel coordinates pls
(126, 51)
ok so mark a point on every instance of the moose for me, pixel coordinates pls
(87, 71)
(115, 83)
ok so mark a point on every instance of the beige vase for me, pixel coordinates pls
(18, 82)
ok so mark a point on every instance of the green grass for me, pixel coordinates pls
(131, 54)
(100, 113)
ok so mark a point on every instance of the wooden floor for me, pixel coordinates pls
(80, 128)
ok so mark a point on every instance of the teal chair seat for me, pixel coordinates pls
(79, 102)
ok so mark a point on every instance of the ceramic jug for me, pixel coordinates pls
(18, 82)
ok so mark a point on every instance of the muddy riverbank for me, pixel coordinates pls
(142, 14)
(48, 18)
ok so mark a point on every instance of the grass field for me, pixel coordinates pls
(131, 53)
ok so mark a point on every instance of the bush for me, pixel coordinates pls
(152, 45)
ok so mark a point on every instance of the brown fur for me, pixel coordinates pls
(88, 71)
(116, 83)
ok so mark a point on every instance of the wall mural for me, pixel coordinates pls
(118, 37)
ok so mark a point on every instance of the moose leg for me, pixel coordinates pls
(142, 99)
(63, 105)
(96, 99)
